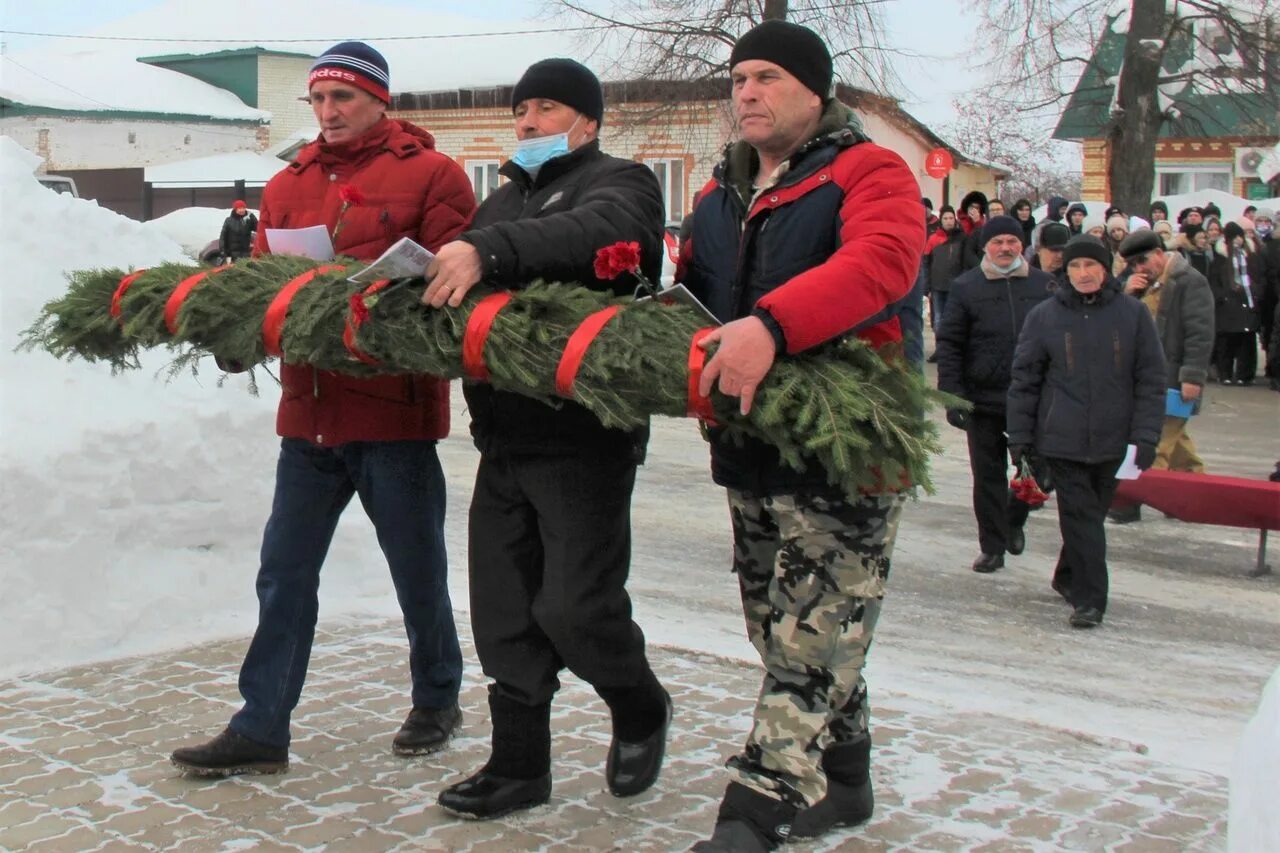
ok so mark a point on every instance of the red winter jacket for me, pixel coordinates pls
(410, 190)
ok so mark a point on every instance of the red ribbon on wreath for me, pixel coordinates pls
(357, 317)
(699, 406)
(174, 303)
(477, 334)
(576, 348)
(273, 322)
(117, 308)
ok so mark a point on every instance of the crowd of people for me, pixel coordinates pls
(1065, 400)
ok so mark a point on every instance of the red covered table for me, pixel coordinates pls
(1209, 499)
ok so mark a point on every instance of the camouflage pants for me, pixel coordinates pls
(812, 571)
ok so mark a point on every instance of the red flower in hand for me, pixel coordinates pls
(613, 261)
(359, 311)
(351, 194)
(1026, 489)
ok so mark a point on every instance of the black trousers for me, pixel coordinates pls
(1237, 356)
(550, 549)
(994, 505)
(1084, 493)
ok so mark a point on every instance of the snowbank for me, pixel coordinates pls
(1253, 821)
(132, 504)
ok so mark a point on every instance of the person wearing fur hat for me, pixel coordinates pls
(344, 435)
(973, 215)
(1075, 217)
(1088, 380)
(1164, 229)
(1179, 299)
(549, 535)
(1237, 276)
(975, 350)
(1117, 230)
(807, 233)
(1094, 225)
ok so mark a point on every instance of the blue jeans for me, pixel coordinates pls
(401, 488)
(937, 306)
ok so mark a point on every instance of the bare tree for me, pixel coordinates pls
(691, 39)
(1176, 62)
(989, 128)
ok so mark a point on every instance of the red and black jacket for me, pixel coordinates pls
(832, 249)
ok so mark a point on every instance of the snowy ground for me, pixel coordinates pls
(133, 509)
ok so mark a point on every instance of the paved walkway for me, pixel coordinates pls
(83, 766)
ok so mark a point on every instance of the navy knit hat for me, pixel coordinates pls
(357, 64)
(1084, 246)
(999, 225)
(564, 80)
(798, 50)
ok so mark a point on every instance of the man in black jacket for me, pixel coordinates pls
(1088, 381)
(975, 352)
(550, 532)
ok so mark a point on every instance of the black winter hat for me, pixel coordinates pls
(1054, 235)
(1139, 242)
(571, 83)
(1160, 206)
(974, 197)
(1077, 208)
(1084, 246)
(1231, 231)
(797, 49)
(1000, 225)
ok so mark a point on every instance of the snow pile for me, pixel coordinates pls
(191, 227)
(133, 504)
(1253, 822)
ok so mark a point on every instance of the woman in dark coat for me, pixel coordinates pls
(1237, 276)
(1088, 381)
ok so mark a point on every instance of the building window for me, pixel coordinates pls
(1176, 180)
(671, 178)
(484, 177)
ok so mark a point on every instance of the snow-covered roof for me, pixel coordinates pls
(216, 170)
(107, 80)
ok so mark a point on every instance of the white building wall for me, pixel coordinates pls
(281, 81)
(85, 143)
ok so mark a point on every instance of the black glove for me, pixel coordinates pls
(1018, 452)
(1145, 457)
(958, 419)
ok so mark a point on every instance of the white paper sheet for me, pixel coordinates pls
(405, 259)
(310, 242)
(1128, 470)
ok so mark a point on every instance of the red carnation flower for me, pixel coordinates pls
(351, 195)
(613, 261)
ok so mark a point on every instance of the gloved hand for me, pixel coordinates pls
(230, 365)
(1145, 457)
(1018, 452)
(958, 419)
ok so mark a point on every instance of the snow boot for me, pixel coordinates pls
(849, 800)
(748, 822)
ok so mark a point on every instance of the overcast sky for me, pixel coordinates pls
(939, 30)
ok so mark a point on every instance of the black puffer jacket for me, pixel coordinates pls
(1233, 309)
(1088, 378)
(551, 228)
(945, 262)
(238, 232)
(979, 331)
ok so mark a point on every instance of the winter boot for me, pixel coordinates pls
(518, 773)
(641, 720)
(427, 730)
(230, 754)
(849, 801)
(748, 822)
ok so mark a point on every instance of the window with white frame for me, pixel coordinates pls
(671, 178)
(1173, 179)
(484, 177)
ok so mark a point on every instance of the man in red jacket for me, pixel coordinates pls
(838, 257)
(343, 436)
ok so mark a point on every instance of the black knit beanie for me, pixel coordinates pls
(564, 80)
(1084, 246)
(797, 49)
(1000, 225)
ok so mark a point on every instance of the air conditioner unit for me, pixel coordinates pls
(1249, 161)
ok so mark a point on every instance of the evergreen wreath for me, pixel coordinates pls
(858, 413)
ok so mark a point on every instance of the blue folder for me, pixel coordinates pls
(1175, 406)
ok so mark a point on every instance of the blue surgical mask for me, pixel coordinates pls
(532, 154)
(1263, 229)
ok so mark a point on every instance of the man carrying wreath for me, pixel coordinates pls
(550, 528)
(807, 232)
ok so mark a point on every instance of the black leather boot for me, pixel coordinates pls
(427, 730)
(748, 822)
(641, 720)
(849, 800)
(518, 773)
